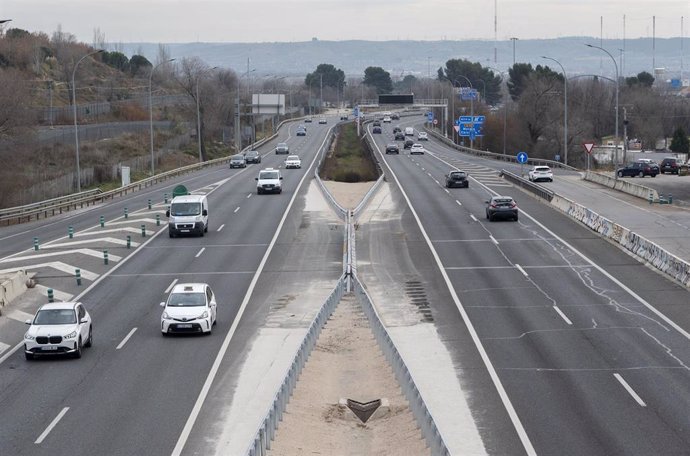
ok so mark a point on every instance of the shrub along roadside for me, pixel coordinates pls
(350, 158)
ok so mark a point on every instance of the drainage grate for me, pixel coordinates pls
(417, 295)
(363, 410)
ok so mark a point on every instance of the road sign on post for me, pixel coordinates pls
(522, 159)
(588, 148)
(429, 116)
(435, 121)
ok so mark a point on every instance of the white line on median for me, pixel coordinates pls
(473, 217)
(124, 341)
(220, 228)
(50, 427)
(563, 316)
(170, 287)
(447, 191)
(200, 252)
(630, 391)
(460, 204)
(493, 239)
(235, 211)
(519, 268)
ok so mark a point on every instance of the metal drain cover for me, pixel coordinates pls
(363, 410)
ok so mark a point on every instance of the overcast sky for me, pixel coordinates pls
(168, 21)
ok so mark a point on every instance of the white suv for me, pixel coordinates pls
(269, 181)
(190, 308)
(58, 328)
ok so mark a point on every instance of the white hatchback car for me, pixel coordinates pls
(293, 161)
(190, 308)
(417, 149)
(58, 328)
(422, 136)
(539, 173)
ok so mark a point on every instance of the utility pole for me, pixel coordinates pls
(625, 135)
(513, 39)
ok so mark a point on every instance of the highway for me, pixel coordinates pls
(565, 320)
(134, 391)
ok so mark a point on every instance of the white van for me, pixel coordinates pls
(409, 131)
(188, 214)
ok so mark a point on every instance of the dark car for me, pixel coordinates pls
(252, 156)
(669, 165)
(392, 149)
(377, 123)
(408, 144)
(397, 129)
(639, 169)
(457, 179)
(301, 132)
(395, 116)
(400, 136)
(376, 130)
(501, 207)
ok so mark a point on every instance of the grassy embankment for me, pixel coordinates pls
(350, 159)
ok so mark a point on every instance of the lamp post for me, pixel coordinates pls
(615, 165)
(238, 118)
(74, 105)
(565, 115)
(153, 169)
(514, 39)
(198, 111)
(471, 107)
(505, 105)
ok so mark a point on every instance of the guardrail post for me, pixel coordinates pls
(101, 220)
(77, 275)
(105, 257)
(165, 198)
(70, 232)
(35, 243)
(149, 203)
(129, 241)
(143, 230)
(158, 220)
(126, 214)
(50, 295)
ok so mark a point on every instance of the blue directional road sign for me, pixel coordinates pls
(467, 93)
(429, 116)
(522, 157)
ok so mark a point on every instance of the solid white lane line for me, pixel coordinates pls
(630, 391)
(220, 228)
(473, 217)
(493, 239)
(437, 182)
(460, 204)
(563, 316)
(187, 430)
(170, 287)
(124, 341)
(524, 273)
(237, 209)
(4, 347)
(200, 252)
(249, 196)
(50, 427)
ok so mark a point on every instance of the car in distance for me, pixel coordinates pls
(396, 129)
(395, 116)
(301, 131)
(400, 136)
(540, 173)
(638, 169)
(654, 165)
(58, 328)
(408, 144)
(282, 148)
(422, 136)
(190, 308)
(392, 149)
(501, 207)
(293, 161)
(343, 117)
(669, 165)
(387, 119)
(417, 149)
(238, 161)
(376, 123)
(252, 156)
(457, 179)
(376, 130)
(307, 120)
(322, 121)
(269, 181)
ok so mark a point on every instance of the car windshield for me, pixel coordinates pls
(269, 175)
(55, 317)
(187, 300)
(252, 153)
(237, 157)
(282, 145)
(182, 209)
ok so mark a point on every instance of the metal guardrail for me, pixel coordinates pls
(532, 187)
(55, 206)
(495, 156)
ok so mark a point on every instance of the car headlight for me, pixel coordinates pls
(204, 315)
(166, 316)
(71, 335)
(28, 336)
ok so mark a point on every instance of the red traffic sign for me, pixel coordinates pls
(435, 121)
(588, 147)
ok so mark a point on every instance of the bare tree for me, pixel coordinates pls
(15, 99)
(538, 108)
(99, 39)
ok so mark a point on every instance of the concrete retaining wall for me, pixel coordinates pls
(12, 286)
(622, 185)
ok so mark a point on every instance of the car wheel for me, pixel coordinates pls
(653, 175)
(28, 356)
(171, 234)
(516, 217)
(77, 353)
(89, 341)
(206, 228)
(258, 191)
(491, 219)
(640, 174)
(620, 173)
(467, 185)
(201, 232)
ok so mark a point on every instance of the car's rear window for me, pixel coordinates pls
(542, 168)
(237, 157)
(503, 201)
(457, 174)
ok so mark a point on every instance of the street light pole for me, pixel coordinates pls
(198, 112)
(471, 107)
(565, 115)
(74, 105)
(615, 165)
(238, 118)
(153, 169)
(513, 39)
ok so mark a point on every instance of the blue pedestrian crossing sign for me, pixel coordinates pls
(522, 157)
